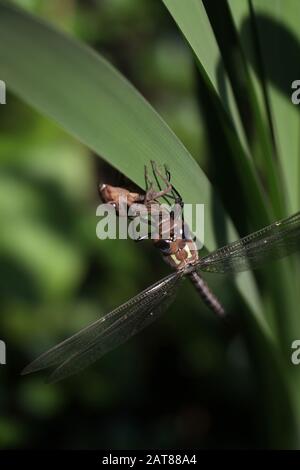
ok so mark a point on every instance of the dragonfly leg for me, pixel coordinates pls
(151, 194)
(148, 181)
(170, 191)
(167, 172)
(176, 195)
(168, 186)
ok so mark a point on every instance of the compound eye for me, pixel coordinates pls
(164, 246)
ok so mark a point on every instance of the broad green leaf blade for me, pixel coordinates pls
(81, 91)
(258, 41)
(68, 82)
(191, 18)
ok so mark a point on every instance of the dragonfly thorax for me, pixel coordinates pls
(178, 253)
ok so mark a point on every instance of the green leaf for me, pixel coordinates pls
(264, 28)
(81, 91)
(277, 25)
(196, 28)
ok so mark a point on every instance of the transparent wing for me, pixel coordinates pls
(272, 242)
(89, 344)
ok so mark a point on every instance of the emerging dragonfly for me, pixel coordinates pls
(178, 250)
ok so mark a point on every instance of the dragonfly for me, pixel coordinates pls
(178, 248)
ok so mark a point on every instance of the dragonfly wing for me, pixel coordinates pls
(89, 344)
(272, 242)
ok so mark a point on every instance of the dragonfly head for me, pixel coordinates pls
(119, 198)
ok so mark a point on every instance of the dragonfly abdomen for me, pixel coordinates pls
(206, 294)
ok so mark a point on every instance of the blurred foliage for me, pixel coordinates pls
(184, 382)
